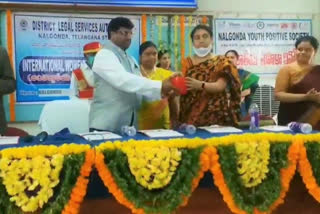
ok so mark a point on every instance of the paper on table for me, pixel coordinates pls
(5, 140)
(221, 129)
(100, 136)
(161, 133)
(275, 128)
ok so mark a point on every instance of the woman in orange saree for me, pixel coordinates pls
(298, 85)
(213, 85)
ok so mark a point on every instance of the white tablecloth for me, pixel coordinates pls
(59, 114)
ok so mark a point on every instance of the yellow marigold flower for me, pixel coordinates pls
(30, 174)
(253, 160)
(152, 166)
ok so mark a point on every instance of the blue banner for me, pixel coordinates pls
(48, 47)
(116, 3)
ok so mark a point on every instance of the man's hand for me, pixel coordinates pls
(167, 89)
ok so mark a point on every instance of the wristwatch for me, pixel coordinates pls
(203, 85)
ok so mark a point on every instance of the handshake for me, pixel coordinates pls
(173, 86)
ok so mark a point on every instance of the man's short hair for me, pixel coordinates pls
(118, 22)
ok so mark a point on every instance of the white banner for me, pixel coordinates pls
(263, 45)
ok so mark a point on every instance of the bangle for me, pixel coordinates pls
(203, 85)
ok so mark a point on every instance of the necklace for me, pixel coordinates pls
(147, 73)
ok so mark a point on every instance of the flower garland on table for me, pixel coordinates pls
(257, 198)
(80, 188)
(39, 177)
(253, 160)
(309, 164)
(114, 168)
(30, 182)
(153, 168)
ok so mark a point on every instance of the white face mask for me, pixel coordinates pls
(202, 52)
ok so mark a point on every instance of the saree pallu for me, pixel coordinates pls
(307, 112)
(248, 80)
(201, 108)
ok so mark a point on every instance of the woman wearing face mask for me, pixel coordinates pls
(164, 60)
(154, 115)
(249, 82)
(297, 86)
(213, 85)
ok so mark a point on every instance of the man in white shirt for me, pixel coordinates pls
(119, 86)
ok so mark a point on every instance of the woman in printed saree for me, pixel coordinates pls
(156, 114)
(213, 85)
(298, 85)
(249, 83)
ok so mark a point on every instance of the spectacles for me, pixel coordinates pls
(125, 32)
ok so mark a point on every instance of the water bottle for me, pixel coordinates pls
(128, 131)
(300, 127)
(254, 116)
(187, 129)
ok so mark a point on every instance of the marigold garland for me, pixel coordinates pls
(205, 166)
(153, 167)
(109, 182)
(288, 173)
(221, 184)
(307, 174)
(175, 42)
(80, 188)
(144, 27)
(190, 19)
(182, 37)
(30, 182)
(34, 151)
(164, 200)
(204, 20)
(253, 160)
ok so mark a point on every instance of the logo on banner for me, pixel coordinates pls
(260, 25)
(23, 24)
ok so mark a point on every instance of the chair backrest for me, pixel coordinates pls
(265, 99)
(72, 114)
(12, 131)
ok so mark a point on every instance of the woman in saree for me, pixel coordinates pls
(156, 114)
(249, 82)
(297, 86)
(213, 85)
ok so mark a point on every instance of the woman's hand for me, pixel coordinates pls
(313, 95)
(193, 84)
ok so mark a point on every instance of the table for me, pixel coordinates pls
(59, 114)
(139, 181)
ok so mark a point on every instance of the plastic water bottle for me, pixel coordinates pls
(300, 127)
(187, 129)
(254, 116)
(128, 131)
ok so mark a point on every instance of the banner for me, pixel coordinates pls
(49, 46)
(263, 45)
